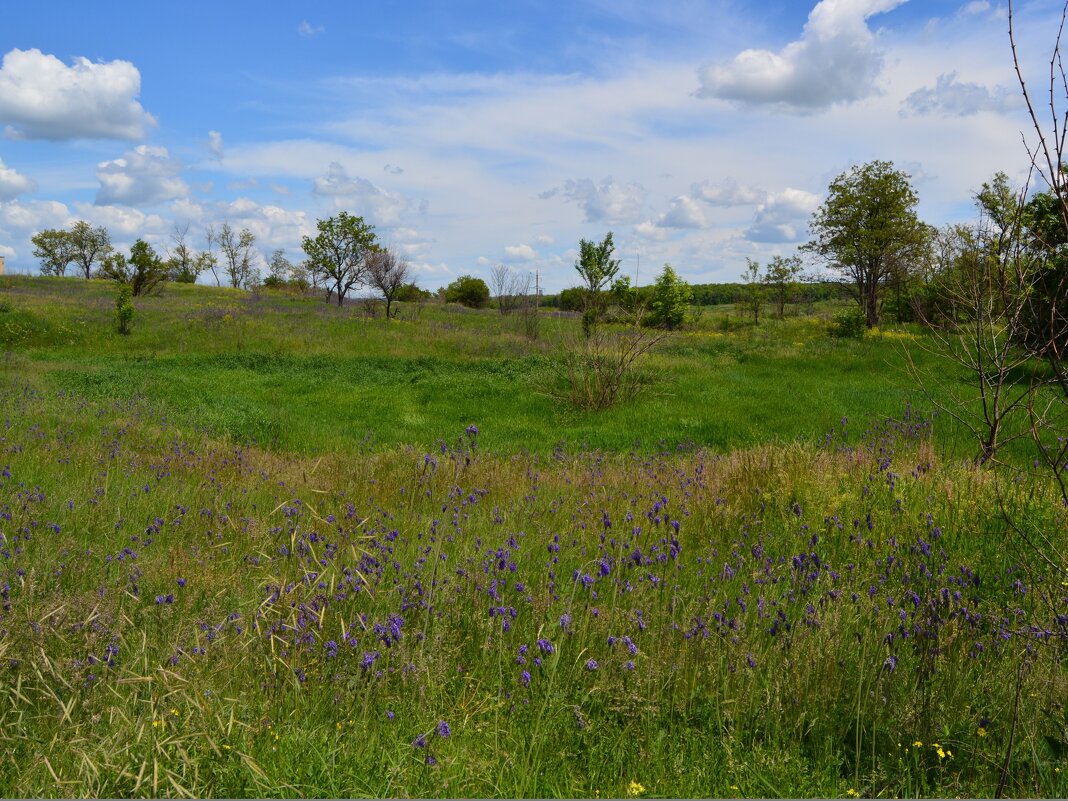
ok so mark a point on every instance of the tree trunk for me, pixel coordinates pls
(871, 306)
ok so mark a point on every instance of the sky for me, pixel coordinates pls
(471, 134)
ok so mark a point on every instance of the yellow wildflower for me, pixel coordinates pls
(852, 793)
(981, 731)
(634, 788)
(941, 753)
(917, 744)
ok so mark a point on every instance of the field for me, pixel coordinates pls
(263, 546)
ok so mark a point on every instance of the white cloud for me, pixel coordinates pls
(836, 60)
(649, 230)
(684, 213)
(13, 183)
(365, 197)
(43, 98)
(272, 225)
(307, 30)
(783, 217)
(607, 201)
(123, 222)
(215, 144)
(727, 193)
(143, 175)
(33, 215)
(520, 252)
(955, 98)
(974, 7)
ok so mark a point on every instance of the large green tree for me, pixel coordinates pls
(90, 245)
(867, 229)
(54, 249)
(337, 255)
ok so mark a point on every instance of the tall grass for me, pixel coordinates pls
(188, 615)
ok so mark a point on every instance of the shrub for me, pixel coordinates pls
(124, 307)
(571, 299)
(469, 291)
(849, 324)
(671, 300)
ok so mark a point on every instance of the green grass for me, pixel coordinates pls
(300, 375)
(800, 610)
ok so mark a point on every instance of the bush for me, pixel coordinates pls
(469, 291)
(849, 324)
(410, 293)
(671, 300)
(571, 299)
(124, 307)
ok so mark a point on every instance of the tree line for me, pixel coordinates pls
(345, 254)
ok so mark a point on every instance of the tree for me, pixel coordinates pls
(388, 273)
(89, 245)
(597, 268)
(508, 287)
(753, 291)
(183, 266)
(781, 275)
(148, 270)
(237, 255)
(124, 308)
(279, 269)
(671, 300)
(469, 291)
(866, 228)
(338, 253)
(144, 271)
(55, 250)
(206, 259)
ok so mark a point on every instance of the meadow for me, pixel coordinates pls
(262, 546)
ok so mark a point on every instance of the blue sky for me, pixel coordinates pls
(473, 134)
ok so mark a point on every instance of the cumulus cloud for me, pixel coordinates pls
(43, 98)
(272, 225)
(684, 213)
(215, 144)
(33, 215)
(783, 217)
(649, 230)
(307, 30)
(727, 193)
(13, 183)
(520, 252)
(366, 197)
(607, 201)
(122, 221)
(145, 174)
(836, 60)
(952, 98)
